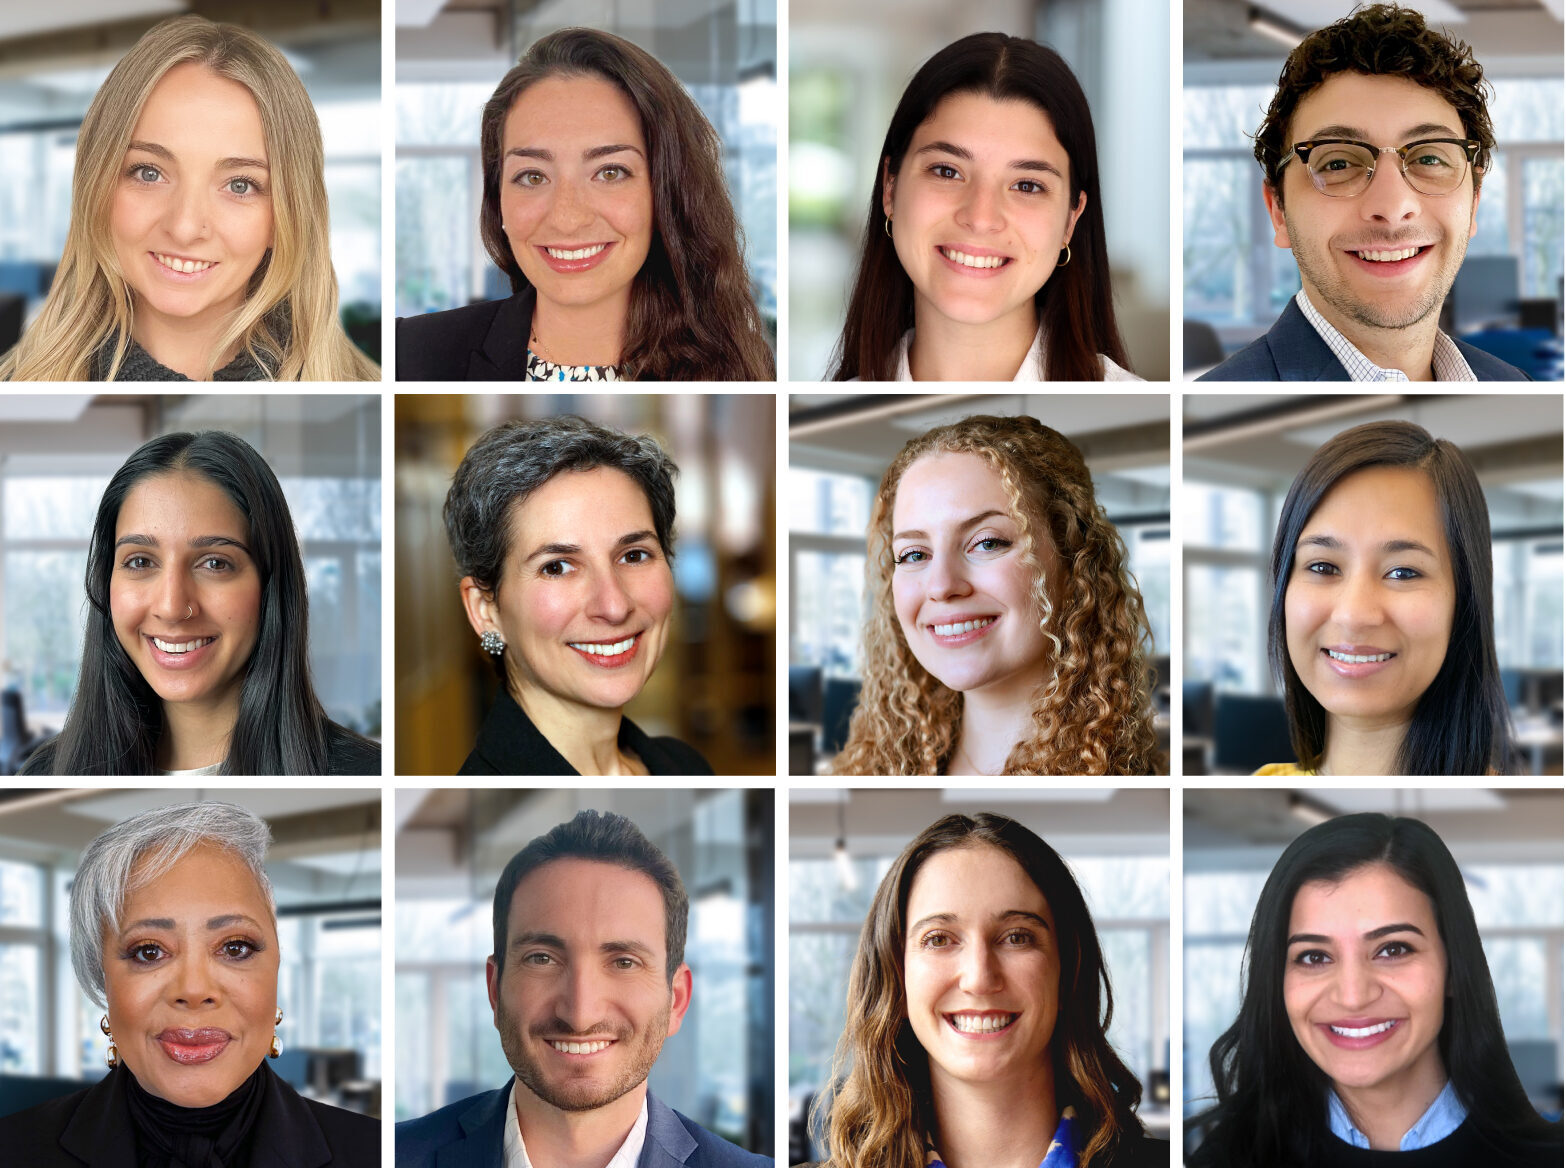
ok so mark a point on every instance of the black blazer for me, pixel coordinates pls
(509, 744)
(93, 1128)
(482, 342)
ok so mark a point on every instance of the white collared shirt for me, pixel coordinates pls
(1446, 360)
(516, 1150)
(1443, 1117)
(1032, 365)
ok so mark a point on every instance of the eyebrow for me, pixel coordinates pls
(572, 549)
(1332, 543)
(201, 541)
(966, 523)
(1337, 130)
(588, 155)
(219, 922)
(553, 941)
(964, 153)
(233, 163)
(1008, 915)
(1373, 935)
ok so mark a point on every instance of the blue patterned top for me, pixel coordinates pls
(1062, 1151)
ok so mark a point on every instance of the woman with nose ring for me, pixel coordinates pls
(563, 534)
(1382, 626)
(1368, 1031)
(606, 207)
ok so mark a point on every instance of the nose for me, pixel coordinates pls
(1389, 199)
(581, 1002)
(945, 579)
(981, 210)
(1356, 985)
(176, 599)
(188, 216)
(193, 984)
(609, 600)
(1358, 601)
(980, 971)
(570, 210)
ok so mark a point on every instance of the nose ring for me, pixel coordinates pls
(190, 611)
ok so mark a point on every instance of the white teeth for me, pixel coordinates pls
(578, 1047)
(961, 627)
(981, 1023)
(181, 646)
(179, 265)
(1364, 1031)
(580, 253)
(1358, 658)
(1388, 257)
(972, 261)
(603, 650)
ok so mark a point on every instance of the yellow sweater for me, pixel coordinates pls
(1284, 770)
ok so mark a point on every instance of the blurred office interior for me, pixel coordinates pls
(1507, 296)
(57, 454)
(53, 58)
(715, 686)
(451, 54)
(839, 447)
(452, 845)
(325, 869)
(1241, 453)
(1507, 843)
(843, 841)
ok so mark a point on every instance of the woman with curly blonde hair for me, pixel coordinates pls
(1005, 635)
(978, 1016)
(198, 246)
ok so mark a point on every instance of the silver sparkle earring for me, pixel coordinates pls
(492, 643)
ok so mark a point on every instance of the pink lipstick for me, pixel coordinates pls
(191, 1047)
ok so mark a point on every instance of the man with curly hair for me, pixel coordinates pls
(1372, 154)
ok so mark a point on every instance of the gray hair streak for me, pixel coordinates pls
(137, 851)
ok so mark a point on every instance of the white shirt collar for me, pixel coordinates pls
(1032, 364)
(1443, 1117)
(516, 1151)
(1446, 360)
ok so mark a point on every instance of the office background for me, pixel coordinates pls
(452, 845)
(1507, 297)
(848, 66)
(450, 57)
(1241, 453)
(325, 868)
(57, 453)
(839, 447)
(53, 58)
(842, 842)
(714, 687)
(1507, 843)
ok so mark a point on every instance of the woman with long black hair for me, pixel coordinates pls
(196, 654)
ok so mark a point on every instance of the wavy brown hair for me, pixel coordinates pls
(882, 1112)
(1092, 716)
(692, 315)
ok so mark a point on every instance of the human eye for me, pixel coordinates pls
(216, 564)
(1311, 957)
(911, 556)
(529, 178)
(638, 556)
(945, 170)
(624, 962)
(538, 960)
(239, 948)
(614, 172)
(1018, 938)
(1319, 568)
(556, 568)
(1405, 574)
(243, 187)
(145, 953)
(136, 562)
(1395, 949)
(935, 939)
(1030, 186)
(990, 543)
(143, 172)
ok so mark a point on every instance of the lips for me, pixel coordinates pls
(982, 263)
(608, 654)
(190, 1047)
(981, 1023)
(1354, 661)
(574, 258)
(1359, 1033)
(580, 1046)
(182, 652)
(960, 628)
(1388, 261)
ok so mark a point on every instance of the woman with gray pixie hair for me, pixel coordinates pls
(174, 932)
(563, 534)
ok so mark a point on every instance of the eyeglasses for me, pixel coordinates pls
(1343, 168)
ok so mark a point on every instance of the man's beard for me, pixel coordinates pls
(577, 1094)
(1326, 279)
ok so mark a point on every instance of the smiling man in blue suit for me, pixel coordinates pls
(586, 981)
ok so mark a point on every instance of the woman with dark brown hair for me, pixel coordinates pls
(605, 205)
(978, 1012)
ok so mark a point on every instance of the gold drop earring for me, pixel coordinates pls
(277, 1042)
(113, 1057)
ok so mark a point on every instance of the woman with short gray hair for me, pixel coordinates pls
(174, 932)
(563, 534)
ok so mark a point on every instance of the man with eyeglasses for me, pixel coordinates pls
(1373, 151)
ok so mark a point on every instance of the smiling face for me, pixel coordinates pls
(981, 967)
(1369, 603)
(584, 1002)
(191, 978)
(576, 191)
(191, 216)
(981, 208)
(1365, 982)
(1348, 249)
(960, 585)
(184, 594)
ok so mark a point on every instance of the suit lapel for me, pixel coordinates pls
(99, 1132)
(1298, 350)
(503, 355)
(286, 1134)
(484, 1135)
(668, 1144)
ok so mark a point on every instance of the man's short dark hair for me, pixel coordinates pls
(1378, 40)
(606, 838)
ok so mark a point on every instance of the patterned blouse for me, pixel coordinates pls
(539, 369)
(1062, 1151)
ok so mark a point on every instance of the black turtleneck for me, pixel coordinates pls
(170, 1136)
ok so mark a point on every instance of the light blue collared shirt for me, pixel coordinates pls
(1441, 1119)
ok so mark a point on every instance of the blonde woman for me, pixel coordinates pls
(1005, 635)
(198, 247)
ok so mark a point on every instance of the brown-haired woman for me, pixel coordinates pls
(1004, 634)
(605, 205)
(978, 1005)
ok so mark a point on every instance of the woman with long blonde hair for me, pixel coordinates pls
(1005, 635)
(198, 245)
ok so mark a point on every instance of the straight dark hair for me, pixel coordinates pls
(1272, 1099)
(1461, 724)
(1076, 306)
(116, 719)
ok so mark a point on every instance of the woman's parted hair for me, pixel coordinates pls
(1092, 716)
(288, 322)
(138, 850)
(692, 315)
(882, 1112)
(116, 719)
(1076, 304)
(1461, 725)
(1271, 1110)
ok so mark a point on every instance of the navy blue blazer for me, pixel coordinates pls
(1292, 350)
(472, 1134)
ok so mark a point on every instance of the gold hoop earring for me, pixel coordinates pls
(1060, 263)
(887, 227)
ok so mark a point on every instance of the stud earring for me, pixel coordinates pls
(113, 1056)
(492, 643)
(277, 1042)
